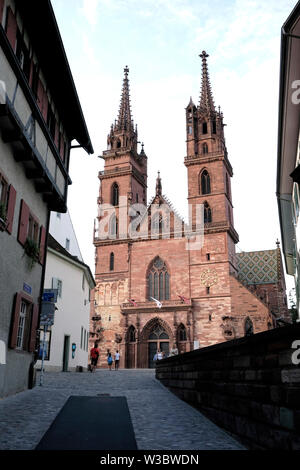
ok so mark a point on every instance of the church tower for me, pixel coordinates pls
(209, 170)
(209, 183)
(123, 182)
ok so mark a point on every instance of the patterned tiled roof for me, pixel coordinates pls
(258, 267)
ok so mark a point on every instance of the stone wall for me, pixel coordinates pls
(249, 386)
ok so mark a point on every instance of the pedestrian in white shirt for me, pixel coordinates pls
(117, 359)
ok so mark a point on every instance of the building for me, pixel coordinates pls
(74, 282)
(156, 283)
(40, 116)
(288, 158)
(61, 228)
(262, 272)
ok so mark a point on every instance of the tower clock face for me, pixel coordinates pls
(209, 277)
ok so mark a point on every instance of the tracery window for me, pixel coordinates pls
(205, 148)
(115, 194)
(205, 182)
(158, 332)
(158, 280)
(207, 214)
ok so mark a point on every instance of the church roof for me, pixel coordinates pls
(259, 267)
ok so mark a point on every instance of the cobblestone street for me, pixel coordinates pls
(161, 421)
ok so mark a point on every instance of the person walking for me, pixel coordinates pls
(117, 360)
(109, 360)
(95, 353)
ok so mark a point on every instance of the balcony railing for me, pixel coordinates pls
(150, 305)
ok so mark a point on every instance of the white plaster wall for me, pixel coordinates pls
(72, 314)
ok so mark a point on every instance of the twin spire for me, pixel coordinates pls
(206, 98)
(125, 122)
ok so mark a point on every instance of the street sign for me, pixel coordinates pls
(47, 313)
(50, 295)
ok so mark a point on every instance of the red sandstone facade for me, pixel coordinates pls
(202, 301)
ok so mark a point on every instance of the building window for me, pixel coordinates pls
(214, 127)
(158, 280)
(205, 183)
(81, 337)
(207, 214)
(115, 194)
(208, 256)
(67, 244)
(33, 229)
(3, 194)
(58, 215)
(204, 128)
(112, 262)
(205, 148)
(22, 54)
(113, 226)
(57, 284)
(182, 336)
(249, 331)
(83, 282)
(51, 122)
(21, 326)
(190, 131)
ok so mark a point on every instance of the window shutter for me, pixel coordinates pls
(34, 325)
(11, 28)
(45, 105)
(15, 321)
(23, 225)
(42, 244)
(11, 208)
(56, 138)
(1, 10)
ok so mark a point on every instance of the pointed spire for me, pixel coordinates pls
(158, 185)
(206, 98)
(124, 120)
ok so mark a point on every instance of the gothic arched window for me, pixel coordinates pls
(249, 327)
(205, 182)
(112, 262)
(205, 148)
(115, 194)
(158, 280)
(214, 127)
(158, 332)
(207, 214)
(204, 128)
(113, 226)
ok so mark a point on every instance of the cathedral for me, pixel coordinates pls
(162, 283)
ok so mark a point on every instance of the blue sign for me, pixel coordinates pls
(27, 288)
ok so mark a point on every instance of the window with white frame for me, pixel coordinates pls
(57, 284)
(21, 326)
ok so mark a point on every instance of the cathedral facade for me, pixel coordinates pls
(160, 282)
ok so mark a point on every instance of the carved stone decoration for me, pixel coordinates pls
(118, 338)
(228, 328)
(209, 277)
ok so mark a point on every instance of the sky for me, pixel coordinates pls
(160, 41)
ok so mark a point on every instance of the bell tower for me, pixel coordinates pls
(124, 179)
(209, 170)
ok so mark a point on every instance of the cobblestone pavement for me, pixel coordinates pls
(161, 421)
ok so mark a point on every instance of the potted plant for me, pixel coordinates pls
(3, 216)
(32, 251)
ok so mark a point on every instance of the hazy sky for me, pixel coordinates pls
(160, 42)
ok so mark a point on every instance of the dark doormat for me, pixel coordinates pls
(91, 423)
